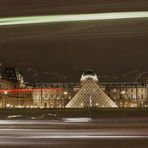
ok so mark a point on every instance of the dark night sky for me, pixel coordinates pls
(60, 52)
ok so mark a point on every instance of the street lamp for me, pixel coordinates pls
(65, 93)
(123, 92)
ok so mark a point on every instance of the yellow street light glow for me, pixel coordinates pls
(5, 92)
(71, 18)
(65, 93)
(8, 105)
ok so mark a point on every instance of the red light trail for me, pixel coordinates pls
(29, 90)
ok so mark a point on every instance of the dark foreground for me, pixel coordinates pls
(75, 132)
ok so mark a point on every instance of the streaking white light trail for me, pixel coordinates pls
(71, 18)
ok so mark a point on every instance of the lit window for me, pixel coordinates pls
(114, 90)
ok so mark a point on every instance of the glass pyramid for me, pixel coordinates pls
(91, 95)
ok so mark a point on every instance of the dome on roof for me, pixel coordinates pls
(89, 74)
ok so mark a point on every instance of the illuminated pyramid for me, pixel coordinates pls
(90, 95)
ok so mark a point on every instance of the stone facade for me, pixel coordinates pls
(50, 98)
(131, 94)
(57, 95)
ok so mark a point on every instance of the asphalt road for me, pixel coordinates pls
(76, 132)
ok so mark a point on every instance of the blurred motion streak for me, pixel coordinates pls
(5, 91)
(71, 18)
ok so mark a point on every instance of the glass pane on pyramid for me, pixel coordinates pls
(91, 95)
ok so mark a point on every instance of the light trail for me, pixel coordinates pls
(5, 91)
(22, 20)
(19, 134)
(73, 137)
(38, 132)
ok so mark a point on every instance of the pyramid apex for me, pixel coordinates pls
(88, 74)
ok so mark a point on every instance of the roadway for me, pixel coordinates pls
(75, 132)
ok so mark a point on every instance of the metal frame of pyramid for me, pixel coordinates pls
(91, 95)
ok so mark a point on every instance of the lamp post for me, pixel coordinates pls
(123, 92)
